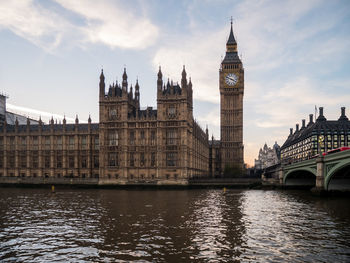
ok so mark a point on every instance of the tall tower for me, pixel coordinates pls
(231, 75)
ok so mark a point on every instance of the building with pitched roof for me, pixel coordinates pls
(316, 138)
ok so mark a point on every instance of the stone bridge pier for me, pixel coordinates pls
(320, 172)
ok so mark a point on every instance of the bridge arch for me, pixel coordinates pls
(338, 177)
(300, 177)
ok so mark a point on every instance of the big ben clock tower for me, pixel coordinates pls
(231, 107)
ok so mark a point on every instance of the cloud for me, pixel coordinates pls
(296, 98)
(104, 22)
(32, 22)
(35, 114)
(201, 55)
(108, 23)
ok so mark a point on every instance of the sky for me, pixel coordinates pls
(295, 54)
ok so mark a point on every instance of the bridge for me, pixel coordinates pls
(329, 172)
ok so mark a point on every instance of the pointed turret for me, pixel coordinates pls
(137, 90)
(231, 39)
(102, 84)
(131, 91)
(231, 55)
(125, 81)
(76, 119)
(160, 80)
(183, 79)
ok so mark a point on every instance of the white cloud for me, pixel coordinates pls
(108, 23)
(201, 55)
(36, 114)
(32, 22)
(104, 22)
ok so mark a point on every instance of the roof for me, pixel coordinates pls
(231, 39)
(172, 89)
(56, 127)
(231, 57)
(315, 128)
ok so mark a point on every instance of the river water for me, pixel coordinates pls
(90, 225)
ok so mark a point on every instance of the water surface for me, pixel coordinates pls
(90, 225)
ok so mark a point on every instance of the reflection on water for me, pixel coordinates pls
(172, 226)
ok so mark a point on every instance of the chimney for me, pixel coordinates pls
(311, 118)
(320, 116)
(343, 116)
(321, 111)
(303, 123)
(291, 131)
(297, 127)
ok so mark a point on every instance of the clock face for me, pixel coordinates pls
(231, 79)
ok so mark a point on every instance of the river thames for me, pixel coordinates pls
(93, 225)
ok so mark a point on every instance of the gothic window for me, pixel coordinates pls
(96, 143)
(22, 142)
(23, 159)
(171, 112)
(171, 158)
(113, 138)
(132, 137)
(35, 158)
(71, 142)
(47, 161)
(83, 161)
(132, 159)
(171, 137)
(142, 137)
(83, 143)
(142, 159)
(59, 161)
(153, 159)
(153, 137)
(1, 143)
(11, 161)
(11, 142)
(59, 142)
(35, 143)
(113, 159)
(96, 161)
(47, 142)
(71, 161)
(112, 114)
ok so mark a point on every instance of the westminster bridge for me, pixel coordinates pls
(329, 172)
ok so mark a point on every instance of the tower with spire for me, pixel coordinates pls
(231, 75)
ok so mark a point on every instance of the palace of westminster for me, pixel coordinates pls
(130, 145)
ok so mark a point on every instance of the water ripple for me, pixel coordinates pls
(171, 226)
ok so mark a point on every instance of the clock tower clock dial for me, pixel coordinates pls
(231, 107)
(231, 79)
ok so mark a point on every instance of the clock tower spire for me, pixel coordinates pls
(231, 75)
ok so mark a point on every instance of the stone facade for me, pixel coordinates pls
(268, 157)
(164, 145)
(128, 145)
(131, 145)
(53, 150)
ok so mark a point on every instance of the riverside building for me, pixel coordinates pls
(131, 145)
(316, 138)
